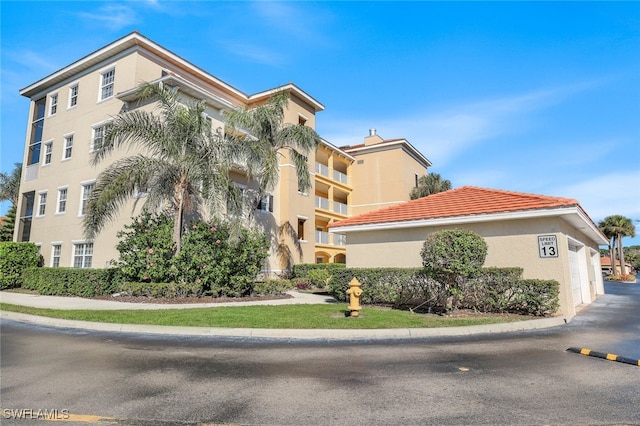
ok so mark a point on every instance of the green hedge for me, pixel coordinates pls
(301, 270)
(72, 281)
(273, 287)
(166, 290)
(492, 290)
(14, 259)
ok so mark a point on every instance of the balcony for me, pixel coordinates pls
(341, 208)
(322, 237)
(340, 177)
(322, 203)
(339, 240)
(322, 169)
(337, 176)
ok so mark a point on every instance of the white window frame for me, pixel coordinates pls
(55, 255)
(48, 152)
(53, 104)
(60, 199)
(41, 205)
(73, 97)
(84, 255)
(107, 85)
(83, 186)
(68, 146)
(265, 205)
(102, 126)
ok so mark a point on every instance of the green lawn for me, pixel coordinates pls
(330, 316)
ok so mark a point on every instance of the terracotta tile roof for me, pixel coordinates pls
(464, 201)
(606, 261)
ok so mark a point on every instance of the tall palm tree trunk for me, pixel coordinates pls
(623, 268)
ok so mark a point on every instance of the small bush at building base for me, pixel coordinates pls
(273, 287)
(14, 259)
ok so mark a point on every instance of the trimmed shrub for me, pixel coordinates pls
(164, 290)
(450, 257)
(491, 290)
(273, 287)
(14, 259)
(146, 249)
(221, 265)
(535, 297)
(319, 278)
(72, 281)
(302, 270)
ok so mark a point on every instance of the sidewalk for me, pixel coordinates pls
(55, 302)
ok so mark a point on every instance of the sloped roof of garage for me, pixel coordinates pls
(472, 204)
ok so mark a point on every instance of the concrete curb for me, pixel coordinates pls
(609, 357)
(292, 334)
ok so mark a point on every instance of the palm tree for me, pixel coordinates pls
(617, 227)
(182, 165)
(430, 184)
(261, 132)
(9, 191)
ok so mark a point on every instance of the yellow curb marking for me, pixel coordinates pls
(612, 357)
(585, 351)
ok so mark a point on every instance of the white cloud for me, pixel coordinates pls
(254, 53)
(112, 16)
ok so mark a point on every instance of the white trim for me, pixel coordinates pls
(44, 153)
(44, 191)
(102, 72)
(382, 146)
(69, 97)
(66, 200)
(82, 187)
(55, 243)
(64, 145)
(50, 103)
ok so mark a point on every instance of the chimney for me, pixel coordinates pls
(372, 132)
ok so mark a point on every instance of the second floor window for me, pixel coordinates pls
(73, 95)
(53, 104)
(42, 203)
(86, 194)
(106, 84)
(98, 137)
(62, 200)
(48, 149)
(68, 147)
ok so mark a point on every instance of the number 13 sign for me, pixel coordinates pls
(548, 246)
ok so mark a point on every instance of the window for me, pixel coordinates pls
(86, 194)
(36, 132)
(301, 120)
(53, 104)
(266, 204)
(62, 200)
(68, 147)
(73, 95)
(301, 228)
(99, 134)
(28, 199)
(56, 250)
(48, 149)
(106, 84)
(42, 203)
(82, 255)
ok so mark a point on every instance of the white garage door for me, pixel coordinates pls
(576, 283)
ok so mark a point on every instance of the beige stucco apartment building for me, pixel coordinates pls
(70, 108)
(548, 237)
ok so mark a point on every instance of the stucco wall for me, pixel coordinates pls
(510, 243)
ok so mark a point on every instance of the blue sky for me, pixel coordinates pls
(535, 97)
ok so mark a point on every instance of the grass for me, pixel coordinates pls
(330, 316)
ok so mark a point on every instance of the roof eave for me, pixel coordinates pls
(575, 211)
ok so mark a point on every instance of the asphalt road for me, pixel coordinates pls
(513, 378)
